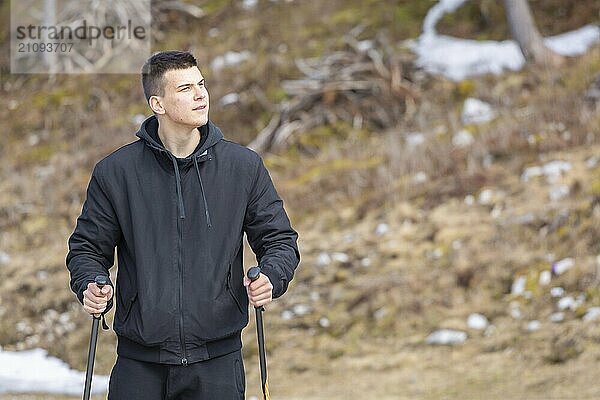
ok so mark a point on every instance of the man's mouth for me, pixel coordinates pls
(199, 108)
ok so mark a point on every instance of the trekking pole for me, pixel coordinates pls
(253, 274)
(100, 281)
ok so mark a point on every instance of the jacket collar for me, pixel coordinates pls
(148, 132)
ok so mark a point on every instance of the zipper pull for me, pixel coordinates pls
(184, 362)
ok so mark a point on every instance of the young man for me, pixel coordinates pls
(176, 203)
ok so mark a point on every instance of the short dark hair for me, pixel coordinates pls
(158, 64)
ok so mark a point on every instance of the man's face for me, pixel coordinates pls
(186, 99)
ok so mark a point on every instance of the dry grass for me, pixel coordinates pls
(440, 261)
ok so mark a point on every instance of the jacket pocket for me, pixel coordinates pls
(128, 307)
(232, 292)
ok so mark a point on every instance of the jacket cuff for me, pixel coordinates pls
(275, 279)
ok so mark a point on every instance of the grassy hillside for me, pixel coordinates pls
(397, 240)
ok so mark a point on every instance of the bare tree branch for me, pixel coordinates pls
(365, 86)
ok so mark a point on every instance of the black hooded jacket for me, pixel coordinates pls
(178, 227)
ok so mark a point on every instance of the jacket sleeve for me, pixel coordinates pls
(92, 244)
(269, 232)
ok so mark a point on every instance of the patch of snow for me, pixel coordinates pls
(518, 286)
(533, 326)
(574, 43)
(230, 58)
(558, 192)
(437, 253)
(476, 111)
(33, 371)
(486, 197)
(230, 98)
(287, 315)
(557, 292)
(515, 311)
(463, 138)
(477, 321)
(557, 317)
(324, 323)
(42, 275)
(525, 219)
(323, 260)
(380, 313)
(545, 277)
(552, 171)
(301, 309)
(562, 266)
(415, 139)
(592, 314)
(340, 257)
(458, 58)
(4, 258)
(382, 229)
(567, 303)
(446, 337)
(592, 162)
(496, 211)
(420, 177)
(33, 139)
(249, 4)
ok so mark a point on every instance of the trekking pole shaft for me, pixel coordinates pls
(261, 346)
(253, 274)
(90, 361)
(87, 388)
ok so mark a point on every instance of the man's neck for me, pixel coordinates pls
(180, 141)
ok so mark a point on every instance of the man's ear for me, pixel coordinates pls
(156, 105)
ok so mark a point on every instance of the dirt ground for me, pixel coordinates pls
(407, 369)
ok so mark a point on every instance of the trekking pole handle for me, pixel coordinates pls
(253, 273)
(100, 281)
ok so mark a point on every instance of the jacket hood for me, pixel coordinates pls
(149, 133)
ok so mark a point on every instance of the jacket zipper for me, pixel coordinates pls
(184, 360)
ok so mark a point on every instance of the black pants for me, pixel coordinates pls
(220, 378)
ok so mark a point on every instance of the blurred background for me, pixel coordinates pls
(446, 190)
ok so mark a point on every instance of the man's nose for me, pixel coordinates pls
(199, 92)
